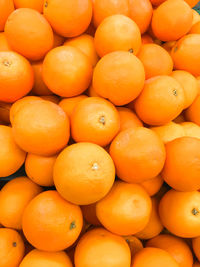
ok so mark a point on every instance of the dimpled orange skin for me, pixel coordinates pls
(6, 8)
(12, 248)
(153, 185)
(175, 246)
(128, 119)
(11, 156)
(67, 71)
(132, 149)
(185, 205)
(4, 46)
(156, 60)
(125, 210)
(68, 18)
(181, 172)
(172, 20)
(161, 100)
(43, 259)
(119, 76)
(14, 198)
(34, 4)
(193, 112)
(95, 120)
(29, 33)
(38, 222)
(91, 181)
(102, 248)
(153, 257)
(115, 33)
(16, 76)
(46, 133)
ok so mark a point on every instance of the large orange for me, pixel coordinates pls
(34, 4)
(67, 71)
(101, 248)
(193, 112)
(128, 119)
(161, 100)
(49, 217)
(172, 20)
(120, 211)
(119, 76)
(20, 23)
(181, 172)
(44, 259)
(14, 198)
(41, 128)
(16, 76)
(95, 120)
(180, 213)
(153, 185)
(84, 173)
(4, 45)
(12, 248)
(156, 60)
(115, 33)
(6, 8)
(11, 156)
(68, 18)
(134, 148)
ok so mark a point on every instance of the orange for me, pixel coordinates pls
(172, 20)
(134, 243)
(168, 46)
(67, 71)
(101, 248)
(52, 98)
(41, 128)
(34, 4)
(153, 185)
(189, 85)
(198, 84)
(115, 33)
(84, 173)
(91, 92)
(192, 113)
(4, 45)
(89, 214)
(14, 198)
(39, 219)
(175, 246)
(169, 131)
(6, 8)
(157, 2)
(120, 211)
(16, 76)
(185, 54)
(195, 28)
(5, 112)
(119, 76)
(196, 264)
(58, 40)
(181, 172)
(196, 246)
(196, 17)
(20, 23)
(161, 100)
(128, 119)
(191, 129)
(192, 3)
(154, 225)
(85, 43)
(11, 156)
(43, 259)
(153, 257)
(68, 18)
(95, 120)
(156, 60)
(39, 87)
(40, 169)
(146, 39)
(180, 213)
(12, 248)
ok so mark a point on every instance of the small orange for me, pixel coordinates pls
(89, 214)
(172, 20)
(153, 185)
(85, 43)
(5, 113)
(67, 71)
(120, 210)
(191, 129)
(168, 46)
(192, 113)
(4, 45)
(102, 248)
(95, 120)
(68, 18)
(128, 119)
(180, 213)
(115, 33)
(14, 198)
(161, 100)
(20, 23)
(34, 4)
(40, 169)
(146, 39)
(134, 148)
(39, 222)
(6, 8)
(195, 28)
(134, 243)
(12, 248)
(119, 76)
(196, 246)
(91, 92)
(93, 178)
(196, 17)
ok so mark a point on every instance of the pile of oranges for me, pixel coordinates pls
(100, 102)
